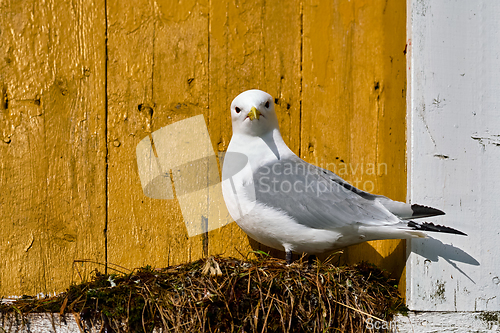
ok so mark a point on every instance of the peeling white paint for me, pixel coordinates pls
(454, 152)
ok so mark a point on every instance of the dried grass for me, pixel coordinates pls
(229, 295)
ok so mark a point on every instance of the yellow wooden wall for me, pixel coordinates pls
(82, 82)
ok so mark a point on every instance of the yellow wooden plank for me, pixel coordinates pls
(133, 235)
(253, 45)
(282, 30)
(52, 111)
(353, 118)
(180, 92)
(158, 60)
(391, 135)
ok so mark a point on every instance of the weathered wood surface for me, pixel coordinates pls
(436, 321)
(454, 150)
(353, 113)
(53, 148)
(86, 82)
(42, 323)
(428, 322)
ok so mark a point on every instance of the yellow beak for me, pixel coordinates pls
(254, 113)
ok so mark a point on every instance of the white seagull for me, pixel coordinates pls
(288, 204)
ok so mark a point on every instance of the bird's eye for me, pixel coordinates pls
(237, 109)
(267, 104)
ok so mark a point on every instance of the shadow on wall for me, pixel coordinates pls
(432, 249)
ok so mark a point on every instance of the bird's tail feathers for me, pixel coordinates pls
(420, 211)
(427, 226)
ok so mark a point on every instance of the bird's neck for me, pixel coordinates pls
(262, 149)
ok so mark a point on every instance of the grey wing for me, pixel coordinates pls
(313, 197)
(400, 209)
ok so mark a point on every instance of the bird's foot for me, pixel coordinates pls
(310, 261)
(288, 257)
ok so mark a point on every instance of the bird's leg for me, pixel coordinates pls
(310, 260)
(288, 257)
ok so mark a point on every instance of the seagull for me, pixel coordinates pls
(285, 203)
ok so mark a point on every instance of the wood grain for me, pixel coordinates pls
(52, 116)
(353, 117)
(252, 47)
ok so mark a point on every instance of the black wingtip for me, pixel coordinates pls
(425, 211)
(426, 226)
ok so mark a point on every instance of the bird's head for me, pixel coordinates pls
(252, 113)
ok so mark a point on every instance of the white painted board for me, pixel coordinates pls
(454, 152)
(434, 322)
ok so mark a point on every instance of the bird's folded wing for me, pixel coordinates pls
(400, 209)
(314, 198)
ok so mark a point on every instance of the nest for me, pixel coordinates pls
(228, 295)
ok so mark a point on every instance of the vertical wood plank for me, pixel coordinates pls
(180, 92)
(353, 118)
(52, 111)
(158, 75)
(252, 46)
(454, 155)
(282, 30)
(133, 218)
(236, 64)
